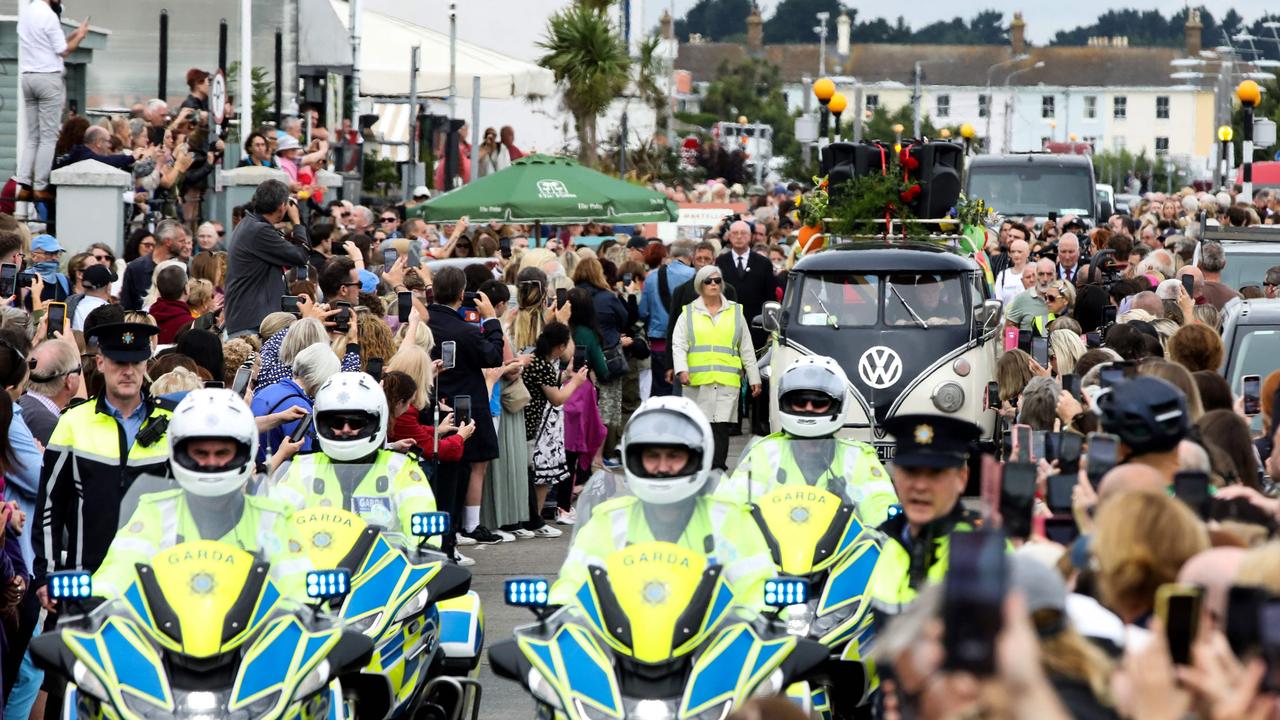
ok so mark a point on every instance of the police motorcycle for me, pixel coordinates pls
(817, 539)
(416, 607)
(365, 512)
(656, 612)
(202, 631)
(817, 498)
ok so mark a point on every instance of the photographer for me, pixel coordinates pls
(259, 253)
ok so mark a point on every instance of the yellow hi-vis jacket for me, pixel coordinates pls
(713, 346)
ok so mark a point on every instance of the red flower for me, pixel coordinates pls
(910, 194)
(909, 163)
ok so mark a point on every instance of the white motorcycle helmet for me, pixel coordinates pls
(667, 422)
(355, 399)
(815, 377)
(212, 414)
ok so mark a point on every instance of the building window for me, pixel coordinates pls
(944, 106)
(1044, 141)
(1162, 146)
(1092, 140)
(1046, 106)
(1162, 107)
(1120, 107)
(1091, 107)
(984, 104)
(872, 102)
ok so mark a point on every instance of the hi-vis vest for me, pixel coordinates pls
(393, 488)
(713, 345)
(1040, 324)
(164, 519)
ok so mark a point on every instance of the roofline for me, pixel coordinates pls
(1111, 89)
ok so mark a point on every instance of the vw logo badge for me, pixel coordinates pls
(880, 367)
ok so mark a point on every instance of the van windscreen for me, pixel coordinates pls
(1033, 190)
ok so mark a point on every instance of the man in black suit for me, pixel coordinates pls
(461, 485)
(749, 274)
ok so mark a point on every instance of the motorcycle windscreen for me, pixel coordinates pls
(206, 595)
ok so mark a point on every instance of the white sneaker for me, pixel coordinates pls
(505, 536)
(462, 560)
(522, 533)
(464, 540)
(566, 518)
(546, 531)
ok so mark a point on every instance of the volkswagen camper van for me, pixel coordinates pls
(912, 324)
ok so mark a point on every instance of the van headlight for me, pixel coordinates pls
(948, 397)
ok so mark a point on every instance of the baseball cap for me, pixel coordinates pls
(46, 243)
(637, 243)
(421, 192)
(96, 277)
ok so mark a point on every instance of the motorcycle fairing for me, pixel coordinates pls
(576, 667)
(808, 529)
(278, 661)
(124, 661)
(731, 668)
(462, 626)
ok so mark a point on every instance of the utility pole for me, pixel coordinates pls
(356, 24)
(626, 42)
(917, 77)
(413, 122)
(821, 30)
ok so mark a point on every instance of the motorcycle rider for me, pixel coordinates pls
(666, 456)
(213, 441)
(353, 469)
(811, 402)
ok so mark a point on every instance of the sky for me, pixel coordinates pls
(514, 26)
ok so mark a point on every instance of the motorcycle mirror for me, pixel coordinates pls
(427, 524)
(527, 592)
(326, 584)
(781, 592)
(70, 585)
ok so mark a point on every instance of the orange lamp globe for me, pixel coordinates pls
(837, 103)
(945, 133)
(1249, 93)
(742, 119)
(823, 90)
(967, 131)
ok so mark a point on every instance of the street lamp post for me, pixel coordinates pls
(823, 89)
(1249, 95)
(897, 137)
(990, 105)
(836, 105)
(1008, 103)
(821, 30)
(966, 132)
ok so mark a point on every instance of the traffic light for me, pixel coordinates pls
(938, 166)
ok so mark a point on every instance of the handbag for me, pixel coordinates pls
(616, 360)
(515, 396)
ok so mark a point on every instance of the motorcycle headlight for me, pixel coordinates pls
(654, 710)
(799, 618)
(413, 607)
(313, 682)
(88, 682)
(948, 397)
(542, 690)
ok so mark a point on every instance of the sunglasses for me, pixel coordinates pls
(104, 258)
(1052, 298)
(345, 215)
(713, 281)
(354, 422)
(357, 283)
(388, 219)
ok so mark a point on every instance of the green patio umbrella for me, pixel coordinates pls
(542, 188)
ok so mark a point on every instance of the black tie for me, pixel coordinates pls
(742, 264)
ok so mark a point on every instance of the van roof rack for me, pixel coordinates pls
(1252, 233)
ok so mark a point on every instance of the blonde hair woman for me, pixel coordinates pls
(1065, 348)
(177, 380)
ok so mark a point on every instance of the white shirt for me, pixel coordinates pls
(87, 304)
(741, 261)
(1008, 285)
(41, 40)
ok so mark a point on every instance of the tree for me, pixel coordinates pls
(715, 20)
(794, 20)
(650, 67)
(752, 88)
(590, 63)
(263, 91)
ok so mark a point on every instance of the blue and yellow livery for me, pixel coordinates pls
(201, 631)
(654, 632)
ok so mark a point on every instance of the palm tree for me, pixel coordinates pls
(591, 64)
(650, 69)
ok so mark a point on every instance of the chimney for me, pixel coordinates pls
(842, 35)
(1192, 32)
(667, 25)
(1017, 34)
(755, 31)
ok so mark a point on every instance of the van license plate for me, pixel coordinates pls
(886, 451)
